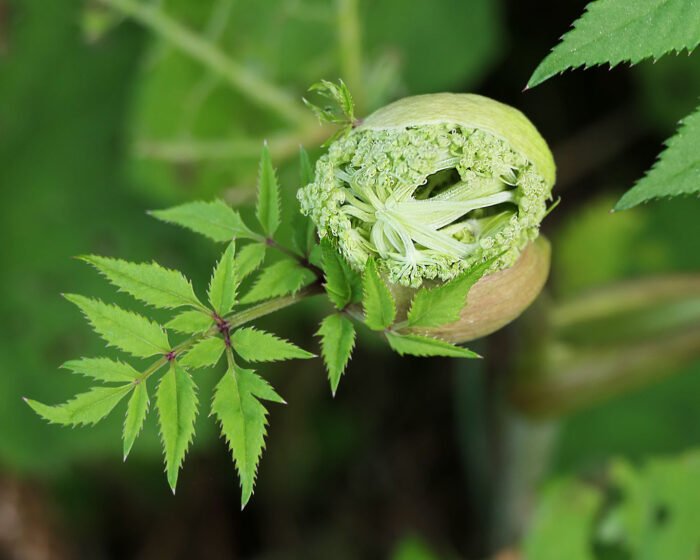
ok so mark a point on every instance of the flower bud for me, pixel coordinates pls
(432, 185)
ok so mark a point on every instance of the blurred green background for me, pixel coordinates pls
(101, 120)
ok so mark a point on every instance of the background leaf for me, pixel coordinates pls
(563, 523)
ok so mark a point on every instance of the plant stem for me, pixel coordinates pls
(624, 297)
(350, 44)
(272, 305)
(236, 320)
(259, 91)
(282, 146)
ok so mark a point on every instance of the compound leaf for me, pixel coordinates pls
(258, 346)
(147, 282)
(85, 408)
(268, 207)
(176, 400)
(127, 331)
(215, 219)
(279, 279)
(418, 345)
(677, 171)
(243, 421)
(135, 416)
(204, 353)
(611, 31)
(337, 342)
(379, 306)
(224, 284)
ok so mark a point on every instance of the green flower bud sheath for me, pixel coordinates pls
(431, 185)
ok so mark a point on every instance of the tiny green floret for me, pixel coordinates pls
(432, 185)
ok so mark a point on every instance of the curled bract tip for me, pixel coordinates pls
(431, 185)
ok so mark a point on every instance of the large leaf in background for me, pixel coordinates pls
(594, 248)
(441, 45)
(563, 524)
(216, 133)
(646, 513)
(64, 196)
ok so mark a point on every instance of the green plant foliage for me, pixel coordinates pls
(343, 285)
(258, 346)
(176, 400)
(249, 259)
(677, 171)
(123, 329)
(224, 283)
(304, 234)
(442, 305)
(86, 408)
(645, 513)
(281, 278)
(268, 207)
(205, 353)
(564, 522)
(609, 33)
(417, 345)
(243, 420)
(214, 219)
(192, 116)
(150, 283)
(337, 342)
(657, 517)
(190, 322)
(378, 303)
(342, 108)
(135, 416)
(221, 328)
(103, 369)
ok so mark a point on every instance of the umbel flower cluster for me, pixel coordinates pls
(432, 185)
